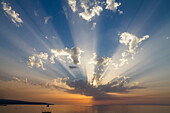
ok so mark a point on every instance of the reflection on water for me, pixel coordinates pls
(86, 109)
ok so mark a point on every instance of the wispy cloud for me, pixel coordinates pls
(93, 26)
(46, 19)
(13, 15)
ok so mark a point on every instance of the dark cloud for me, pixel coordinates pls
(117, 85)
(102, 91)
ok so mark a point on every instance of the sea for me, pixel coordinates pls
(85, 109)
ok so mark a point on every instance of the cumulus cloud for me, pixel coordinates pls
(31, 61)
(39, 64)
(73, 54)
(36, 59)
(46, 19)
(42, 55)
(89, 13)
(13, 15)
(72, 4)
(101, 63)
(112, 5)
(52, 59)
(92, 8)
(131, 41)
(93, 26)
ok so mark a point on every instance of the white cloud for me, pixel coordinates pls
(36, 59)
(92, 8)
(101, 63)
(73, 54)
(72, 4)
(31, 61)
(125, 54)
(13, 15)
(112, 5)
(131, 41)
(42, 55)
(52, 59)
(120, 12)
(39, 64)
(89, 13)
(46, 19)
(46, 37)
(123, 61)
(93, 26)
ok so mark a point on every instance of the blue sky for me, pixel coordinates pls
(106, 41)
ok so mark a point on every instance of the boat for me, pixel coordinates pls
(46, 109)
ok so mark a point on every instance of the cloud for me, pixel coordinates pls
(72, 4)
(112, 5)
(123, 61)
(119, 84)
(93, 26)
(72, 54)
(120, 12)
(46, 19)
(36, 59)
(92, 8)
(13, 15)
(42, 55)
(131, 41)
(18, 80)
(100, 62)
(46, 37)
(52, 59)
(89, 13)
(167, 38)
(39, 64)
(58, 83)
(31, 61)
(36, 13)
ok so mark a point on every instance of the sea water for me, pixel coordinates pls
(86, 109)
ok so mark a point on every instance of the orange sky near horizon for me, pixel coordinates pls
(26, 92)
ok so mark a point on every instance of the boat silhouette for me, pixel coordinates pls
(46, 109)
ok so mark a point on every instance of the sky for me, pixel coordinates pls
(89, 52)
